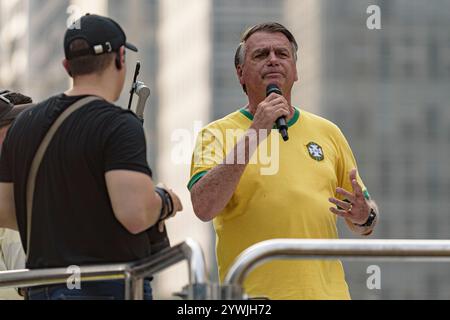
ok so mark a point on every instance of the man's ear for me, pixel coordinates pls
(240, 72)
(65, 64)
(120, 58)
(122, 55)
(240, 75)
(296, 74)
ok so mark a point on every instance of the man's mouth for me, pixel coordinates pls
(273, 74)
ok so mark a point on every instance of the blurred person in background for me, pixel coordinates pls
(12, 256)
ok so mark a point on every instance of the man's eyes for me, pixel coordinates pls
(260, 55)
(264, 54)
(283, 54)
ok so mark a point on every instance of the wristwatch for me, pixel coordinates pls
(370, 219)
(167, 203)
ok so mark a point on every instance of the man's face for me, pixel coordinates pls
(269, 59)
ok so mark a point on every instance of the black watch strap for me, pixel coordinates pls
(370, 219)
(167, 203)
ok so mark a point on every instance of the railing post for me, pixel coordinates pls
(128, 285)
(134, 286)
(137, 288)
(196, 262)
(212, 291)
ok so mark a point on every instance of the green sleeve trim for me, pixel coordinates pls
(290, 123)
(294, 118)
(195, 179)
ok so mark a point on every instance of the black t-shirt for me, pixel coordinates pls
(73, 221)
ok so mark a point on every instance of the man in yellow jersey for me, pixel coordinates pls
(258, 187)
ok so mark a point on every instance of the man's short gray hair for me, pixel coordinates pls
(271, 27)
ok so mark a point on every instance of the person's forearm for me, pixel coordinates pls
(9, 223)
(212, 193)
(7, 207)
(8, 218)
(153, 212)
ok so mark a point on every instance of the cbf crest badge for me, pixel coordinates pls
(315, 151)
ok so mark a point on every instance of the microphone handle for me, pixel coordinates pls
(282, 128)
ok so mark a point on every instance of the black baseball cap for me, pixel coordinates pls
(103, 35)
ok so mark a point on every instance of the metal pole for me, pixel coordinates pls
(196, 262)
(137, 288)
(333, 249)
(128, 286)
(29, 278)
(189, 250)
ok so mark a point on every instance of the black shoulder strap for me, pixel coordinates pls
(31, 181)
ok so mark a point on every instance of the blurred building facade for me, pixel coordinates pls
(198, 84)
(388, 91)
(14, 28)
(140, 20)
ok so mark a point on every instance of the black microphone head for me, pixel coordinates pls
(273, 88)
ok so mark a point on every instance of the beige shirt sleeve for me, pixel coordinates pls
(12, 255)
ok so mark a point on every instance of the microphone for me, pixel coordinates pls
(281, 121)
(143, 93)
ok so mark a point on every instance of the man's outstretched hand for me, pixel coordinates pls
(356, 209)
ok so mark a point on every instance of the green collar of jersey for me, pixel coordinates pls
(291, 122)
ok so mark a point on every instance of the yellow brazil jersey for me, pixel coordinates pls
(283, 193)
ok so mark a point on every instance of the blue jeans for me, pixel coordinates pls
(99, 290)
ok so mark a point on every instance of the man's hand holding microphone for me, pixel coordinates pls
(274, 109)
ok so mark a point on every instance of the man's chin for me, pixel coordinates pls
(278, 81)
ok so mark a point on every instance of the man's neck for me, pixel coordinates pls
(92, 86)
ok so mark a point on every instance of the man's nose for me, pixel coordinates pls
(273, 58)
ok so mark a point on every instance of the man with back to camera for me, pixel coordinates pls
(12, 256)
(94, 197)
(314, 166)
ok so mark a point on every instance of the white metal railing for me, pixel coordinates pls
(133, 273)
(200, 288)
(334, 249)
